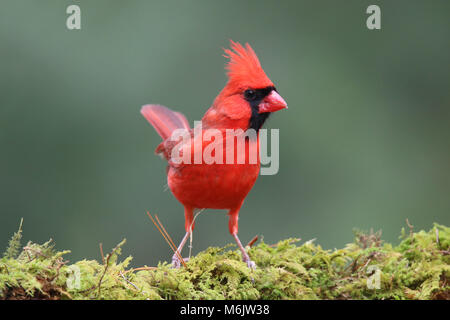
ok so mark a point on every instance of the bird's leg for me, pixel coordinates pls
(176, 263)
(188, 226)
(245, 256)
(233, 226)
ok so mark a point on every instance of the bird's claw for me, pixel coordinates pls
(176, 263)
(251, 264)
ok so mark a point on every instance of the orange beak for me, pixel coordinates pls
(273, 102)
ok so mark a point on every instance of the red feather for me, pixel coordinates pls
(164, 120)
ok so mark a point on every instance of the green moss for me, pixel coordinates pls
(14, 244)
(418, 268)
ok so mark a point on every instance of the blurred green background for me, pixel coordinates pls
(364, 143)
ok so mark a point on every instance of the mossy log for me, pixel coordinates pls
(417, 268)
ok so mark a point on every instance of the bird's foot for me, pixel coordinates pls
(176, 263)
(251, 264)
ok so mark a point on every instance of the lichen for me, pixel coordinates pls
(417, 268)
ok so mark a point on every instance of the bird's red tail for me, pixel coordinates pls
(164, 120)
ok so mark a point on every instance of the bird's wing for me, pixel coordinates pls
(164, 120)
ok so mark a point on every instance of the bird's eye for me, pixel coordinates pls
(250, 94)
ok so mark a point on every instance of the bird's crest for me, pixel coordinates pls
(244, 68)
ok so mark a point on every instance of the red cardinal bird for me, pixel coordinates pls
(247, 100)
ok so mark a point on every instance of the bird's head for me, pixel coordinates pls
(249, 94)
